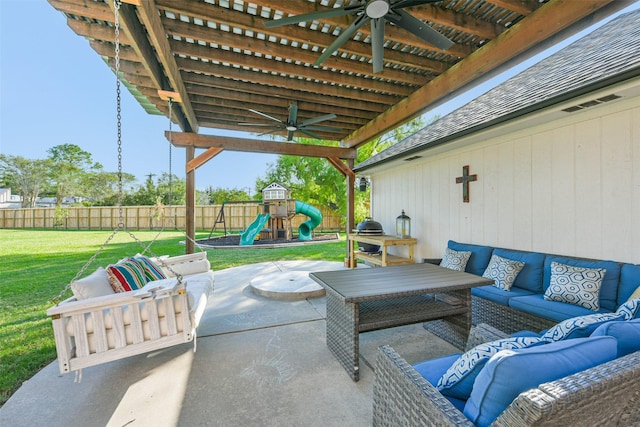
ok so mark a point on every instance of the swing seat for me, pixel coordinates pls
(163, 313)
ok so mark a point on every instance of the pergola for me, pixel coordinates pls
(216, 59)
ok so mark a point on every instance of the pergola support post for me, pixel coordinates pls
(191, 203)
(351, 184)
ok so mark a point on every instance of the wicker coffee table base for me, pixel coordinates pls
(345, 321)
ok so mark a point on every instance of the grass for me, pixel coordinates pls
(37, 265)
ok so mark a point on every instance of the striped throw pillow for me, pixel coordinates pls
(150, 268)
(126, 276)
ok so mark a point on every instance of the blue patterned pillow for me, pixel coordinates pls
(629, 310)
(578, 327)
(458, 380)
(455, 260)
(503, 271)
(575, 285)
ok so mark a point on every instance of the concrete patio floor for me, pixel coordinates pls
(259, 362)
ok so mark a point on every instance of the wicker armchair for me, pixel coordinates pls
(605, 395)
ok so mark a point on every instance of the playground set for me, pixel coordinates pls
(274, 223)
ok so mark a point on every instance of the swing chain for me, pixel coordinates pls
(170, 151)
(118, 111)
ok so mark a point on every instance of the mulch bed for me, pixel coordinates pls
(234, 240)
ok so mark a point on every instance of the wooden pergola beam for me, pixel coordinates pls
(203, 158)
(342, 167)
(148, 13)
(183, 139)
(549, 19)
(130, 25)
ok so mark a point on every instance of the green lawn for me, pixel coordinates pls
(36, 265)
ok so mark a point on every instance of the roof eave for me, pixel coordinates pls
(548, 103)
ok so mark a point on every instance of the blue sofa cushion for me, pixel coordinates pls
(627, 335)
(531, 276)
(433, 369)
(510, 372)
(458, 380)
(629, 281)
(503, 271)
(609, 288)
(575, 285)
(579, 327)
(552, 310)
(630, 309)
(455, 260)
(479, 259)
(499, 296)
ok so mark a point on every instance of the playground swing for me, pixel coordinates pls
(160, 303)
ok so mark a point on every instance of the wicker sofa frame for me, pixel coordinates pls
(605, 395)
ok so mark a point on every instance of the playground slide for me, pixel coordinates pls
(247, 237)
(315, 218)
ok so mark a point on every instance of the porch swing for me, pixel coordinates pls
(137, 305)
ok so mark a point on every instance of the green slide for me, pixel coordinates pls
(247, 237)
(315, 218)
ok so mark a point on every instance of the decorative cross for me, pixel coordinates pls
(465, 179)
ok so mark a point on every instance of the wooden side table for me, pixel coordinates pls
(382, 259)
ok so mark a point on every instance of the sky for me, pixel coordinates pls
(55, 89)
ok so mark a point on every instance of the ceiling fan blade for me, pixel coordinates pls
(318, 119)
(290, 135)
(257, 124)
(270, 132)
(308, 17)
(410, 3)
(419, 28)
(377, 44)
(266, 115)
(321, 128)
(311, 134)
(342, 38)
(293, 114)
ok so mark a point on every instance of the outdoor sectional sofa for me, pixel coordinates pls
(523, 306)
(521, 387)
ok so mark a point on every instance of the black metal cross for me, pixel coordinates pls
(465, 179)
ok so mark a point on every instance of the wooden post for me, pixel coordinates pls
(351, 183)
(190, 199)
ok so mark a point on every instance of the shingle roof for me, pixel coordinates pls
(605, 56)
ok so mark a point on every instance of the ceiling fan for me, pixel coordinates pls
(291, 124)
(376, 11)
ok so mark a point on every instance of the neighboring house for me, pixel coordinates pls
(8, 200)
(556, 151)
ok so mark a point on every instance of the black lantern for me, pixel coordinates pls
(363, 184)
(403, 226)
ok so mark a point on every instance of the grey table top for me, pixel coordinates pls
(363, 284)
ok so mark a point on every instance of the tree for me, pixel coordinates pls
(172, 192)
(316, 181)
(101, 188)
(70, 164)
(217, 196)
(27, 177)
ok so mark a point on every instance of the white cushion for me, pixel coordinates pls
(186, 268)
(94, 285)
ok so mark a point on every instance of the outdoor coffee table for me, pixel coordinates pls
(368, 299)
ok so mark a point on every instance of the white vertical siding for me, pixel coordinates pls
(570, 186)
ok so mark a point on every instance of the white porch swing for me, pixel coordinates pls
(98, 325)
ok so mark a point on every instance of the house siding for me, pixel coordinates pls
(569, 186)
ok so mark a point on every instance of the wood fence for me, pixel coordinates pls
(237, 217)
